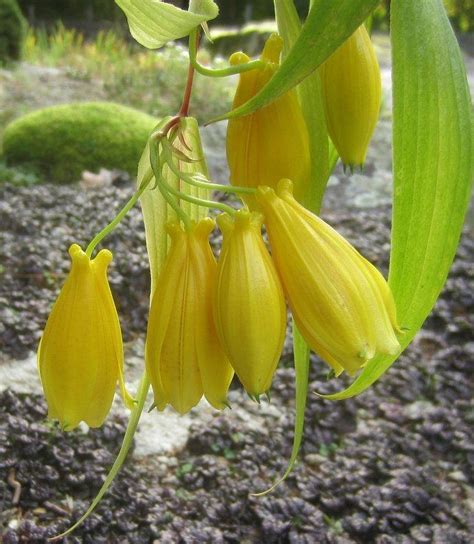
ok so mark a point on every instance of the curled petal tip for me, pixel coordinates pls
(273, 47)
(225, 223)
(285, 186)
(74, 249)
(103, 258)
(205, 227)
(264, 191)
(77, 255)
(238, 58)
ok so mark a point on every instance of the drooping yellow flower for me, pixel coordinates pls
(272, 142)
(183, 356)
(340, 302)
(249, 305)
(80, 357)
(352, 92)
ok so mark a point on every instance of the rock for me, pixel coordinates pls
(90, 135)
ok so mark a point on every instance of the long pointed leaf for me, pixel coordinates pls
(328, 24)
(433, 165)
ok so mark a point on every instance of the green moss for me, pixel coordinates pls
(63, 141)
(12, 31)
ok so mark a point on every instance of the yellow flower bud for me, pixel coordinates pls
(352, 91)
(80, 357)
(183, 356)
(249, 305)
(272, 142)
(340, 302)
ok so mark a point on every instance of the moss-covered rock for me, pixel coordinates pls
(63, 141)
(12, 31)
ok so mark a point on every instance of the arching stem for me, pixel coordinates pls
(194, 200)
(217, 72)
(217, 186)
(110, 227)
(126, 444)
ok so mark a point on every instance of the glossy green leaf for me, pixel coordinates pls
(433, 165)
(328, 24)
(153, 22)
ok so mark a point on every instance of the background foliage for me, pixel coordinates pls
(12, 31)
(461, 12)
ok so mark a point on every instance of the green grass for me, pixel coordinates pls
(152, 81)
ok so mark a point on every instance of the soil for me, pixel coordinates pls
(394, 465)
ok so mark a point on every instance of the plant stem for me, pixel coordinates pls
(126, 444)
(216, 72)
(194, 200)
(217, 186)
(128, 206)
(198, 201)
(184, 110)
(165, 188)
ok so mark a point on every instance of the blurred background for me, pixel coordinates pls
(461, 12)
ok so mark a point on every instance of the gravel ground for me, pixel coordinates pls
(392, 466)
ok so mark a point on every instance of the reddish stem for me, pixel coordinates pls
(183, 112)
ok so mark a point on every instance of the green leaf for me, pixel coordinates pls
(153, 22)
(155, 215)
(311, 100)
(301, 356)
(328, 24)
(433, 165)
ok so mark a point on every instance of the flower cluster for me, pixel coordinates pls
(208, 318)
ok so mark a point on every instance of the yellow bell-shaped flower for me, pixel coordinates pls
(184, 358)
(352, 92)
(80, 357)
(249, 304)
(272, 142)
(340, 302)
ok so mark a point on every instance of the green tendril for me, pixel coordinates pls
(199, 181)
(124, 449)
(218, 72)
(122, 213)
(194, 200)
(165, 189)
